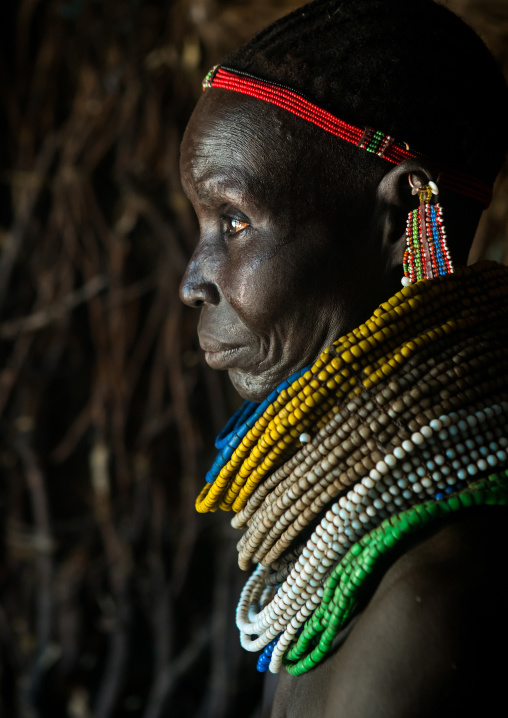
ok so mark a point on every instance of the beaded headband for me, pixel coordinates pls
(366, 138)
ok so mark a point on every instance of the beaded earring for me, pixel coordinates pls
(427, 255)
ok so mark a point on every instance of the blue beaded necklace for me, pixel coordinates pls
(239, 424)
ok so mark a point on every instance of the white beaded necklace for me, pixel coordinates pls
(455, 448)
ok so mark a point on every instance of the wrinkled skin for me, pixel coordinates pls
(280, 270)
(293, 252)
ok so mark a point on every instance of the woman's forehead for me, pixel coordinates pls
(229, 132)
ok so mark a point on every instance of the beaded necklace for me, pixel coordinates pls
(405, 413)
(240, 423)
(345, 583)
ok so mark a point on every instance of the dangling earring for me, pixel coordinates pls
(427, 253)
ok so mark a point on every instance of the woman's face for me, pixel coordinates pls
(284, 265)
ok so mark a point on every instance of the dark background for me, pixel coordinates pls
(116, 599)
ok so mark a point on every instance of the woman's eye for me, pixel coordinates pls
(232, 226)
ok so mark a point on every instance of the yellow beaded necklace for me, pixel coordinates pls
(410, 322)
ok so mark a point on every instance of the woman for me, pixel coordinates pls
(368, 465)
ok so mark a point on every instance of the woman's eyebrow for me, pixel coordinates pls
(221, 186)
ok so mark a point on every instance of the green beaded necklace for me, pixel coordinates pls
(348, 578)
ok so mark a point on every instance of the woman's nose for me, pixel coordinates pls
(198, 287)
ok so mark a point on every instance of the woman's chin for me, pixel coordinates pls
(253, 387)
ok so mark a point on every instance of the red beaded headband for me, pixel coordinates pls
(366, 138)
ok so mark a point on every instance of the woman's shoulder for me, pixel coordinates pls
(454, 574)
(430, 641)
(450, 557)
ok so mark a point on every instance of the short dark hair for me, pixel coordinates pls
(410, 68)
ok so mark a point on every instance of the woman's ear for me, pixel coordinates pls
(396, 197)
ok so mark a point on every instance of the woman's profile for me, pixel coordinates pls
(339, 164)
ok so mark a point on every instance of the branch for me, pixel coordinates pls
(39, 499)
(55, 312)
(24, 214)
(169, 676)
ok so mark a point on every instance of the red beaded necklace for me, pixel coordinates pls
(367, 138)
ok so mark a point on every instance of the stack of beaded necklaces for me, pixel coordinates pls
(397, 424)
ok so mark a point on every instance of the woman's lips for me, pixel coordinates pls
(219, 355)
(225, 359)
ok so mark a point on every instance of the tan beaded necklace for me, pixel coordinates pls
(409, 407)
(415, 325)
